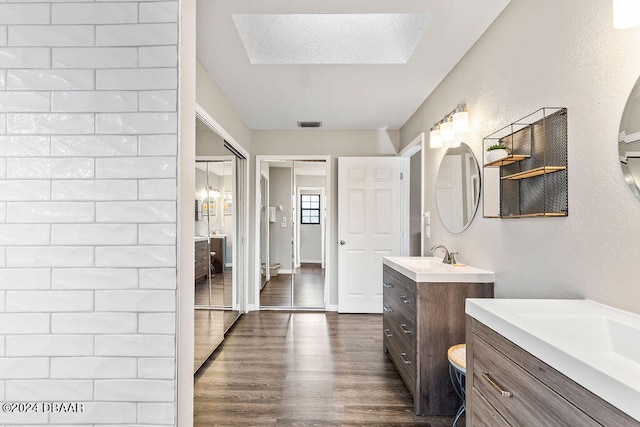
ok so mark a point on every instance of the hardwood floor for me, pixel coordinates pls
(304, 369)
(309, 288)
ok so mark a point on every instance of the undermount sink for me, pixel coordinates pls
(595, 345)
(432, 269)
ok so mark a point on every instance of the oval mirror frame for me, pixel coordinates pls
(629, 141)
(458, 188)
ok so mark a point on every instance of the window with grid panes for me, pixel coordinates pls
(309, 209)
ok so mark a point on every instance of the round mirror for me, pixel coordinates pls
(629, 141)
(458, 188)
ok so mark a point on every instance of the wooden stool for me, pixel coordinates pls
(457, 356)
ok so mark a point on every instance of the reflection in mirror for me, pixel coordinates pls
(629, 141)
(458, 188)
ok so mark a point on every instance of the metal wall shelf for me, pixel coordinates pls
(534, 177)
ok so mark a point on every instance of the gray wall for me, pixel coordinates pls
(575, 60)
(280, 238)
(310, 234)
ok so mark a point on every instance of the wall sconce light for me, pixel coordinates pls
(213, 192)
(434, 138)
(456, 122)
(626, 14)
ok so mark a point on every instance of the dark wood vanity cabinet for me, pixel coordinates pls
(421, 321)
(508, 386)
(201, 259)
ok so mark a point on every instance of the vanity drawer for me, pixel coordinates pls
(398, 299)
(402, 356)
(530, 401)
(485, 415)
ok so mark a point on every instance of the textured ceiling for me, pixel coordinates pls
(311, 76)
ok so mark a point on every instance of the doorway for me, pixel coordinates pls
(292, 210)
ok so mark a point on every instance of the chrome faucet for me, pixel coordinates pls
(448, 259)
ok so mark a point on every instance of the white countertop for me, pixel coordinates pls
(201, 238)
(432, 269)
(595, 345)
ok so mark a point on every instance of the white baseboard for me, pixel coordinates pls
(332, 307)
(252, 307)
(283, 271)
(311, 261)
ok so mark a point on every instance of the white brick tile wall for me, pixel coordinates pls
(24, 146)
(100, 413)
(17, 13)
(158, 145)
(158, 100)
(136, 35)
(156, 368)
(135, 212)
(156, 413)
(50, 123)
(135, 345)
(83, 101)
(135, 123)
(48, 390)
(23, 323)
(36, 57)
(134, 390)
(93, 145)
(158, 189)
(166, 11)
(141, 79)
(50, 212)
(24, 367)
(96, 323)
(21, 168)
(93, 367)
(21, 234)
(25, 101)
(132, 256)
(157, 323)
(23, 190)
(52, 301)
(49, 345)
(52, 35)
(49, 256)
(95, 57)
(93, 234)
(153, 234)
(157, 278)
(94, 190)
(88, 148)
(23, 278)
(94, 13)
(94, 278)
(136, 167)
(135, 301)
(158, 56)
(50, 79)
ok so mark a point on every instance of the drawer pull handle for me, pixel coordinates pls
(404, 299)
(387, 309)
(403, 326)
(387, 333)
(387, 285)
(403, 356)
(502, 392)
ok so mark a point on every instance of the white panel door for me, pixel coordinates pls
(369, 228)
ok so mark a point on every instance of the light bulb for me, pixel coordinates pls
(626, 14)
(446, 130)
(435, 141)
(461, 121)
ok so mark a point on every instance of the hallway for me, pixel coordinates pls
(285, 369)
(309, 288)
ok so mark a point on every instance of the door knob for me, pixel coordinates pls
(342, 242)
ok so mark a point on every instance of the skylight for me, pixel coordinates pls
(330, 38)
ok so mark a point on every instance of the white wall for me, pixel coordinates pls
(550, 54)
(88, 157)
(310, 234)
(280, 238)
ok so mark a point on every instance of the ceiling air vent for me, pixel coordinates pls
(309, 124)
